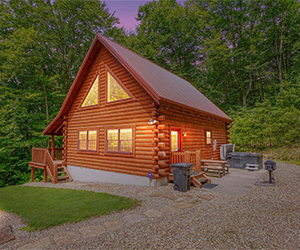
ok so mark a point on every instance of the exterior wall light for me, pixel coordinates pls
(152, 122)
(184, 134)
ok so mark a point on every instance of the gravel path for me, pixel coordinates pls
(263, 218)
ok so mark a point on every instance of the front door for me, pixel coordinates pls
(176, 139)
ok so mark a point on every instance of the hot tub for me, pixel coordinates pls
(240, 159)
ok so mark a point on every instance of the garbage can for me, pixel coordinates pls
(182, 176)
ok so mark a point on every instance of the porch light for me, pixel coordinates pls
(152, 122)
(184, 134)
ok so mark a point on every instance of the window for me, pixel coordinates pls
(87, 140)
(176, 139)
(115, 91)
(119, 140)
(92, 97)
(208, 137)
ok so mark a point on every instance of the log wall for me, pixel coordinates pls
(132, 113)
(195, 125)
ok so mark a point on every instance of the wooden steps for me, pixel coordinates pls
(63, 174)
(196, 178)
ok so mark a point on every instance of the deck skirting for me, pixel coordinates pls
(94, 175)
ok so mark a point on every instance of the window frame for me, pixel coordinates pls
(208, 144)
(179, 138)
(130, 98)
(87, 141)
(85, 96)
(115, 153)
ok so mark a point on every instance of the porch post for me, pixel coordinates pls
(52, 146)
(45, 174)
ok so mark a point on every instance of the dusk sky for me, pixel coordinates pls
(126, 11)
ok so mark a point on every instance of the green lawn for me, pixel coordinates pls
(46, 207)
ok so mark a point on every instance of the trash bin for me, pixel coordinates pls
(182, 176)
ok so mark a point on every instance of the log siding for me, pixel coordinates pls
(132, 113)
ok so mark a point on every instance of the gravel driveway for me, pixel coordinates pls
(262, 218)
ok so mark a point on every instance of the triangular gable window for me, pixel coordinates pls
(92, 96)
(115, 92)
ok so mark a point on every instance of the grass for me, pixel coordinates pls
(47, 207)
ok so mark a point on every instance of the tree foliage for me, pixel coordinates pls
(243, 55)
(42, 45)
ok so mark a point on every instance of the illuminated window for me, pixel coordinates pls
(174, 141)
(87, 140)
(208, 137)
(92, 96)
(119, 140)
(114, 90)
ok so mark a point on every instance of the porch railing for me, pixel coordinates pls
(57, 153)
(42, 156)
(193, 157)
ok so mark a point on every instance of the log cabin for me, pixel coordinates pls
(125, 119)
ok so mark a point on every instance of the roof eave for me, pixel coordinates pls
(60, 113)
(140, 80)
(191, 108)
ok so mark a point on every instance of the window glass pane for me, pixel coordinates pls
(82, 135)
(174, 140)
(82, 145)
(112, 146)
(93, 135)
(126, 146)
(126, 134)
(114, 90)
(112, 134)
(92, 96)
(92, 145)
(208, 137)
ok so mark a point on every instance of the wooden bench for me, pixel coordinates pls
(213, 170)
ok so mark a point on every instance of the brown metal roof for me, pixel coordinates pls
(157, 81)
(162, 83)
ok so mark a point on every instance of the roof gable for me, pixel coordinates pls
(161, 83)
(157, 81)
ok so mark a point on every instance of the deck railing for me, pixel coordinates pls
(42, 156)
(38, 155)
(58, 154)
(193, 157)
(51, 166)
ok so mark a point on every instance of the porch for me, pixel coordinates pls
(194, 157)
(51, 161)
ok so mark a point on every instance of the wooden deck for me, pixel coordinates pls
(194, 157)
(51, 163)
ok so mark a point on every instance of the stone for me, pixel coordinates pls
(133, 218)
(167, 210)
(194, 201)
(180, 200)
(113, 225)
(170, 196)
(65, 238)
(182, 205)
(153, 214)
(37, 245)
(6, 234)
(156, 194)
(205, 196)
(92, 231)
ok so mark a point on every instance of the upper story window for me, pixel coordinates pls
(87, 140)
(208, 137)
(92, 96)
(119, 140)
(115, 91)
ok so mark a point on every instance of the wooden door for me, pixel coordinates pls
(175, 139)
